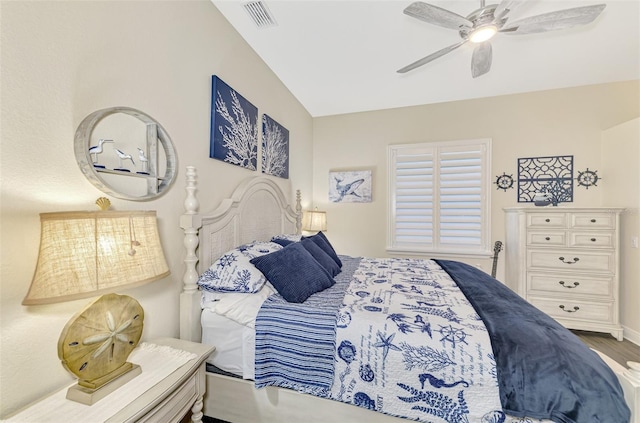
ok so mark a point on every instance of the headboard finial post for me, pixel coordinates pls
(298, 213)
(191, 201)
(190, 222)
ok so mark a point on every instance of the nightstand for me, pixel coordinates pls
(162, 393)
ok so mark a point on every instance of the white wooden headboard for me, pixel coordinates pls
(256, 211)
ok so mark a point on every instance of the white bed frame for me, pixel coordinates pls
(258, 210)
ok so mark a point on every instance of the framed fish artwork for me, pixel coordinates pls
(350, 186)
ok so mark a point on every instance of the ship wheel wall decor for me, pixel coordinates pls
(504, 181)
(588, 178)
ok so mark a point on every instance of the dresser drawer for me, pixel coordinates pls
(591, 239)
(553, 238)
(578, 310)
(569, 285)
(592, 220)
(576, 261)
(546, 220)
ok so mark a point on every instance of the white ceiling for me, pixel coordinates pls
(342, 56)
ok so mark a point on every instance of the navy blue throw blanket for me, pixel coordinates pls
(544, 371)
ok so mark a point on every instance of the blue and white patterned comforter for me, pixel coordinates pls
(407, 344)
(411, 345)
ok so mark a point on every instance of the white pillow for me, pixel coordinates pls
(234, 273)
(241, 308)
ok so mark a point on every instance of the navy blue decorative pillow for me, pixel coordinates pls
(326, 246)
(321, 257)
(294, 273)
(282, 241)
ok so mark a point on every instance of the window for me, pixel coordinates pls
(440, 197)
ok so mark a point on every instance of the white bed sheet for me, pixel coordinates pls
(235, 344)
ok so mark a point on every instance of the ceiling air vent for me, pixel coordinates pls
(260, 14)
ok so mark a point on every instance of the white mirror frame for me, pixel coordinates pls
(156, 184)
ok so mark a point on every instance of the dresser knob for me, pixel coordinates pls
(547, 238)
(593, 221)
(547, 220)
(575, 260)
(593, 240)
(575, 308)
(575, 285)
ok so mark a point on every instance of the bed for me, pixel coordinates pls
(372, 366)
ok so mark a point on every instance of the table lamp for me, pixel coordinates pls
(314, 221)
(84, 254)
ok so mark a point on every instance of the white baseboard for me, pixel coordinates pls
(631, 335)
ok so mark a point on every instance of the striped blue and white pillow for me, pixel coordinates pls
(288, 237)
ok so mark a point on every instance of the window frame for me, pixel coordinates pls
(434, 249)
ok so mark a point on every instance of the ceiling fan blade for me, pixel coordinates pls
(431, 57)
(506, 6)
(481, 59)
(436, 15)
(553, 21)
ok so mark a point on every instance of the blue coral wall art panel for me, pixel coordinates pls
(275, 148)
(234, 127)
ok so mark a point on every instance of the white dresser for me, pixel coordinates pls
(565, 261)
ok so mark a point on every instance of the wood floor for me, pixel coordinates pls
(621, 352)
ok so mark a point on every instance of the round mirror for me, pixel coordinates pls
(125, 153)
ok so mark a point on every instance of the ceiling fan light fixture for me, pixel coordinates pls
(482, 24)
(483, 33)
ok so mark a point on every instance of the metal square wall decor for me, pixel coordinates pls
(234, 127)
(552, 176)
(275, 148)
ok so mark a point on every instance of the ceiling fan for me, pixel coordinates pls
(482, 24)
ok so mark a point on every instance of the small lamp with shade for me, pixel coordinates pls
(88, 253)
(314, 220)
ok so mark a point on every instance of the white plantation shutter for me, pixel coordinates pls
(439, 197)
(460, 202)
(414, 198)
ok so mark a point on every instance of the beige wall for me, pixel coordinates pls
(549, 123)
(64, 60)
(621, 168)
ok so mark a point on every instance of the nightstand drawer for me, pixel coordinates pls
(546, 238)
(546, 220)
(570, 285)
(575, 261)
(579, 310)
(593, 220)
(591, 239)
(176, 405)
